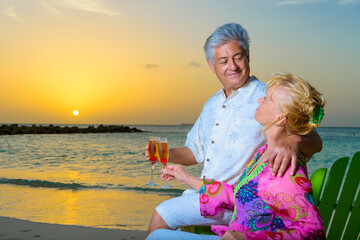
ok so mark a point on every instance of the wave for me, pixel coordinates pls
(78, 186)
(169, 191)
(42, 183)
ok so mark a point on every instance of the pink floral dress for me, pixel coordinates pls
(265, 207)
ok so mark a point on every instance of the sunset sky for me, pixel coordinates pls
(142, 61)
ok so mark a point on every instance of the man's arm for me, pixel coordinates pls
(310, 144)
(183, 156)
(287, 149)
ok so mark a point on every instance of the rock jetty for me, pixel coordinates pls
(14, 129)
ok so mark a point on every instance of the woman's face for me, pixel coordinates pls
(269, 110)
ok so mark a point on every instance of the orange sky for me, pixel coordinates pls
(141, 62)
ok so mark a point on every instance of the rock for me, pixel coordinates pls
(14, 129)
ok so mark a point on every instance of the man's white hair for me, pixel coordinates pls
(224, 34)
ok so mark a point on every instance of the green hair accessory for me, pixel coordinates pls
(317, 115)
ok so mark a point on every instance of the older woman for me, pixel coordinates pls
(265, 207)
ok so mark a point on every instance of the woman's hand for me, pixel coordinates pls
(165, 176)
(232, 235)
(178, 172)
(175, 171)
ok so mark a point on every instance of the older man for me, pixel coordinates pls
(226, 135)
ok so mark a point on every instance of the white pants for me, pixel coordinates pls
(166, 234)
(185, 211)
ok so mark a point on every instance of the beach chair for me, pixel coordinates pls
(336, 201)
(341, 218)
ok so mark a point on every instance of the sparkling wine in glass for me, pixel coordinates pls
(152, 154)
(162, 150)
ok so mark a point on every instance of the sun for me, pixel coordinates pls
(75, 112)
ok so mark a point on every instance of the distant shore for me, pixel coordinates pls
(14, 129)
(12, 228)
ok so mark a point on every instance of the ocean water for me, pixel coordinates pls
(98, 180)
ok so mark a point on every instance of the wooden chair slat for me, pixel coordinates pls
(353, 228)
(331, 190)
(346, 199)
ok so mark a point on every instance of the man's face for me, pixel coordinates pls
(231, 66)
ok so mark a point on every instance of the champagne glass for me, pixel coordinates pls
(152, 154)
(162, 150)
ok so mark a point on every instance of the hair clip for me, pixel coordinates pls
(317, 115)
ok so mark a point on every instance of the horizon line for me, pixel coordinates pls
(125, 124)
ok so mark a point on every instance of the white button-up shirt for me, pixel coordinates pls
(226, 135)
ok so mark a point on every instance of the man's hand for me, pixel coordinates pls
(232, 235)
(286, 149)
(146, 152)
(281, 153)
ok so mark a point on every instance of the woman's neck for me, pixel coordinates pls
(274, 133)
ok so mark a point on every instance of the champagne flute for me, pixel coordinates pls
(152, 154)
(162, 150)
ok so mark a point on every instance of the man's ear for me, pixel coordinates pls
(211, 65)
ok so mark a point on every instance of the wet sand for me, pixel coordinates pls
(16, 229)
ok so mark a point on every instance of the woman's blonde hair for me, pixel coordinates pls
(303, 105)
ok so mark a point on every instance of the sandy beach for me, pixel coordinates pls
(16, 229)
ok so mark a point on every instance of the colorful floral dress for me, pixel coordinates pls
(265, 207)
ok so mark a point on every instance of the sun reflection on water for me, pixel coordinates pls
(92, 208)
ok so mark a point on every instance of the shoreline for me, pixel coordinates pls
(17, 229)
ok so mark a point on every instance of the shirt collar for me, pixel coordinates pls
(236, 92)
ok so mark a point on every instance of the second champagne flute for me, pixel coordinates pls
(162, 149)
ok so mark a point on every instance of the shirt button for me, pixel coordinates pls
(217, 124)
(208, 160)
(212, 142)
(223, 106)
